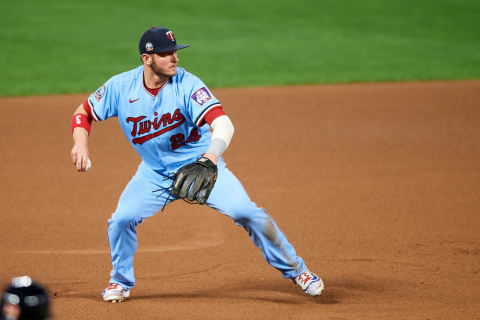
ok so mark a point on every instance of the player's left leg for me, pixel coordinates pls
(230, 198)
(139, 201)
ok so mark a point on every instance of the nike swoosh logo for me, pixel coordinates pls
(131, 101)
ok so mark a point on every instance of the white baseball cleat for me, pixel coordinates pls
(310, 283)
(115, 293)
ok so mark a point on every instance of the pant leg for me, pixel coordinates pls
(230, 198)
(137, 202)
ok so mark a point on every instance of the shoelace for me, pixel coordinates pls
(170, 176)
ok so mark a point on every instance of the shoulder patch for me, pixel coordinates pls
(201, 96)
(100, 93)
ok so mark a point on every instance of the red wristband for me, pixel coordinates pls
(82, 121)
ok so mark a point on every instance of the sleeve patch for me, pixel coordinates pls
(201, 96)
(100, 93)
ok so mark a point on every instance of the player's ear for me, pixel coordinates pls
(146, 58)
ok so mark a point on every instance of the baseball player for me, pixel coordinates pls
(24, 299)
(166, 114)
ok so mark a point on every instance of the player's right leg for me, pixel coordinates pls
(137, 202)
(229, 197)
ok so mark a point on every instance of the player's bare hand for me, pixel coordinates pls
(79, 152)
(80, 156)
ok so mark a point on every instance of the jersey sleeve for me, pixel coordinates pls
(200, 102)
(211, 115)
(104, 102)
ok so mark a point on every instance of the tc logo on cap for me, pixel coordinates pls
(170, 35)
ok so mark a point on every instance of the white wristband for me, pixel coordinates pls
(222, 135)
(217, 147)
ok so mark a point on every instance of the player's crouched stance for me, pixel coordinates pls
(166, 113)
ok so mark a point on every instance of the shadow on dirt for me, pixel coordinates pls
(337, 290)
(281, 292)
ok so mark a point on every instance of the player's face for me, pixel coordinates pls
(165, 63)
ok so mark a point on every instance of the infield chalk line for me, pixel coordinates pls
(207, 241)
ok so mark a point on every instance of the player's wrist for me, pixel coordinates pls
(211, 157)
(80, 120)
(80, 136)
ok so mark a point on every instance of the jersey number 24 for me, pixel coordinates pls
(178, 139)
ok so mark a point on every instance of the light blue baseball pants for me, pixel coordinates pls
(138, 202)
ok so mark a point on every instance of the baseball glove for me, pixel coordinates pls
(194, 181)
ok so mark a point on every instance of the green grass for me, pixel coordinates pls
(64, 46)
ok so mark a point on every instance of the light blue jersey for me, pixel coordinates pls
(166, 130)
(163, 129)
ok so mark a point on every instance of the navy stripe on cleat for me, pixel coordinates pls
(310, 283)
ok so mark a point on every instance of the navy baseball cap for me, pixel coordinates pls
(159, 40)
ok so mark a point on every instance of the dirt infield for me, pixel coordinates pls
(376, 186)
